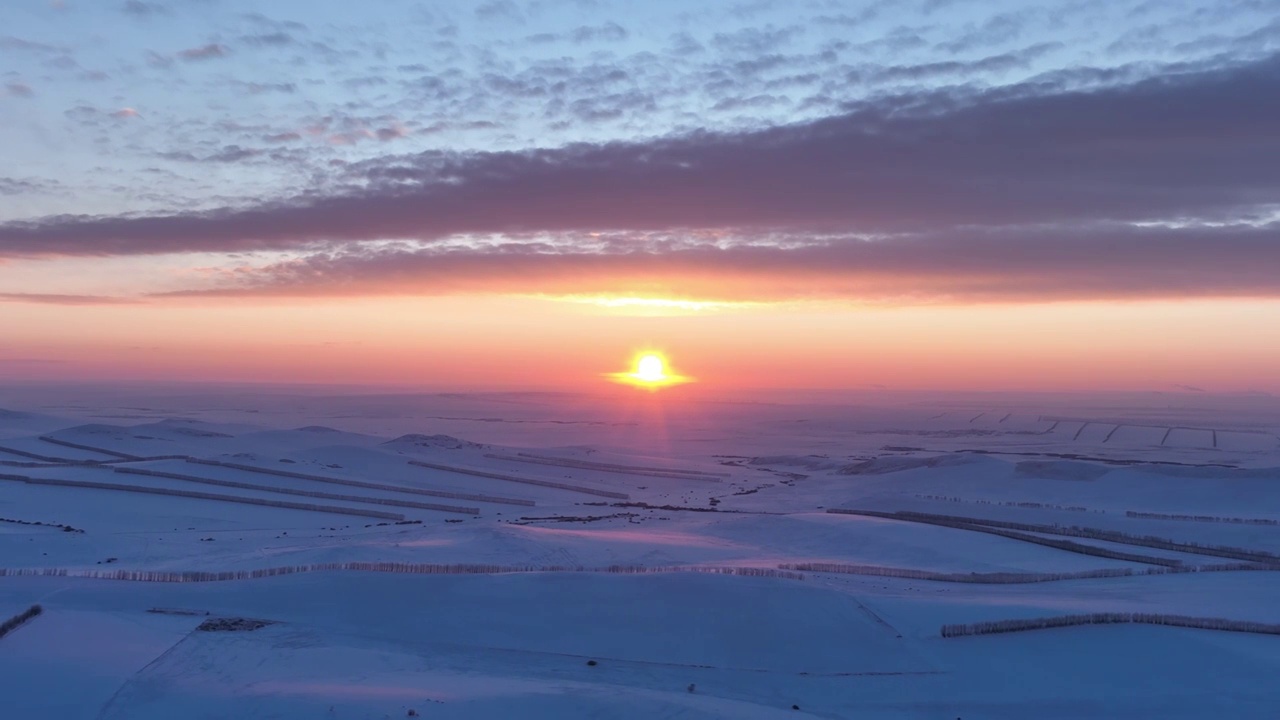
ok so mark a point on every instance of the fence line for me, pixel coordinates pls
(1114, 536)
(364, 484)
(307, 493)
(38, 456)
(608, 467)
(90, 463)
(171, 576)
(1002, 578)
(37, 523)
(995, 578)
(526, 481)
(90, 448)
(957, 523)
(620, 466)
(1010, 503)
(87, 484)
(1021, 625)
(19, 620)
(1200, 518)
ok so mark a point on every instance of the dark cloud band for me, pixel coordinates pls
(956, 178)
(1045, 264)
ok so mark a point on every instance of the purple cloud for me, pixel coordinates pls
(962, 184)
(138, 8)
(608, 32)
(19, 186)
(974, 266)
(54, 299)
(204, 52)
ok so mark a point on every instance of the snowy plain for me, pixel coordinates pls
(633, 555)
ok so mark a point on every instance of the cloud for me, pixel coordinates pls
(204, 52)
(1193, 143)
(10, 42)
(30, 361)
(272, 39)
(21, 186)
(137, 8)
(52, 299)
(499, 10)
(684, 44)
(995, 30)
(155, 59)
(92, 116)
(393, 132)
(262, 21)
(365, 81)
(613, 106)
(756, 41)
(608, 32)
(954, 68)
(17, 89)
(226, 154)
(341, 129)
(256, 88)
(1027, 264)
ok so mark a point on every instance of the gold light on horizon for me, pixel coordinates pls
(650, 370)
(646, 305)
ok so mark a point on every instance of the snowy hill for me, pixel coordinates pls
(689, 569)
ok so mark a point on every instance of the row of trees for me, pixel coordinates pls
(60, 526)
(1115, 536)
(362, 484)
(628, 468)
(1011, 503)
(171, 576)
(206, 496)
(89, 448)
(1002, 578)
(308, 493)
(526, 481)
(1200, 518)
(606, 467)
(18, 620)
(1024, 624)
(999, 578)
(790, 571)
(997, 528)
(34, 456)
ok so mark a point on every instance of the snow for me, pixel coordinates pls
(757, 481)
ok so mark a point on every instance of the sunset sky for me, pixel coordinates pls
(927, 194)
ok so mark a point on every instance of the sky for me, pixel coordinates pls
(915, 194)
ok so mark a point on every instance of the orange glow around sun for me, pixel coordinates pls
(650, 370)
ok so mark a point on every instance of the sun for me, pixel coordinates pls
(650, 370)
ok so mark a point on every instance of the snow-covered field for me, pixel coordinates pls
(633, 555)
